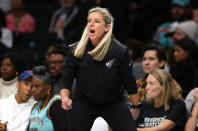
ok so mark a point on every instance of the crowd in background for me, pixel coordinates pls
(158, 34)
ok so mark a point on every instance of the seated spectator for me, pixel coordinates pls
(184, 65)
(48, 108)
(162, 110)
(192, 108)
(18, 20)
(5, 33)
(153, 58)
(15, 110)
(51, 49)
(68, 21)
(11, 66)
(179, 13)
(56, 61)
(186, 29)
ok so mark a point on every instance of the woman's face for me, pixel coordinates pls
(153, 87)
(179, 53)
(39, 89)
(96, 27)
(8, 70)
(178, 35)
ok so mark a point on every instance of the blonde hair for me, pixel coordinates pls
(168, 86)
(100, 51)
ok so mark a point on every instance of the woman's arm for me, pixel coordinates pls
(126, 72)
(59, 116)
(166, 125)
(129, 82)
(192, 120)
(66, 101)
(68, 74)
(135, 101)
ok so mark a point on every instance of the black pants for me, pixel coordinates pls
(116, 114)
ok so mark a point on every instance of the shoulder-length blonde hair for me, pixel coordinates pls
(100, 51)
(168, 86)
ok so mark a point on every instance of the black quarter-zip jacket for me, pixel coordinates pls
(100, 82)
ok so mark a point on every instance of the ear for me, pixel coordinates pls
(107, 28)
(49, 88)
(162, 63)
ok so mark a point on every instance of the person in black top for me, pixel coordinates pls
(102, 67)
(184, 66)
(162, 110)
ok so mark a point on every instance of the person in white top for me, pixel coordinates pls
(16, 109)
(11, 66)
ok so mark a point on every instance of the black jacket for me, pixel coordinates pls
(100, 82)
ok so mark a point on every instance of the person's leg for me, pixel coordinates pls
(82, 117)
(118, 116)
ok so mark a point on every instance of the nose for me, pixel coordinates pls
(52, 65)
(175, 53)
(146, 62)
(91, 23)
(147, 87)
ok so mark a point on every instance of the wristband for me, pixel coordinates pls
(193, 116)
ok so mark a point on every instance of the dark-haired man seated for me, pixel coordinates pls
(15, 110)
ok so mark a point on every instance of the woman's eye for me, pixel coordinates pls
(36, 86)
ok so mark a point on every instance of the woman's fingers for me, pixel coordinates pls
(66, 104)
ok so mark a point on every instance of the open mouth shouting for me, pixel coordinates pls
(91, 32)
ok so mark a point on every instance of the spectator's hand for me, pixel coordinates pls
(3, 126)
(66, 103)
